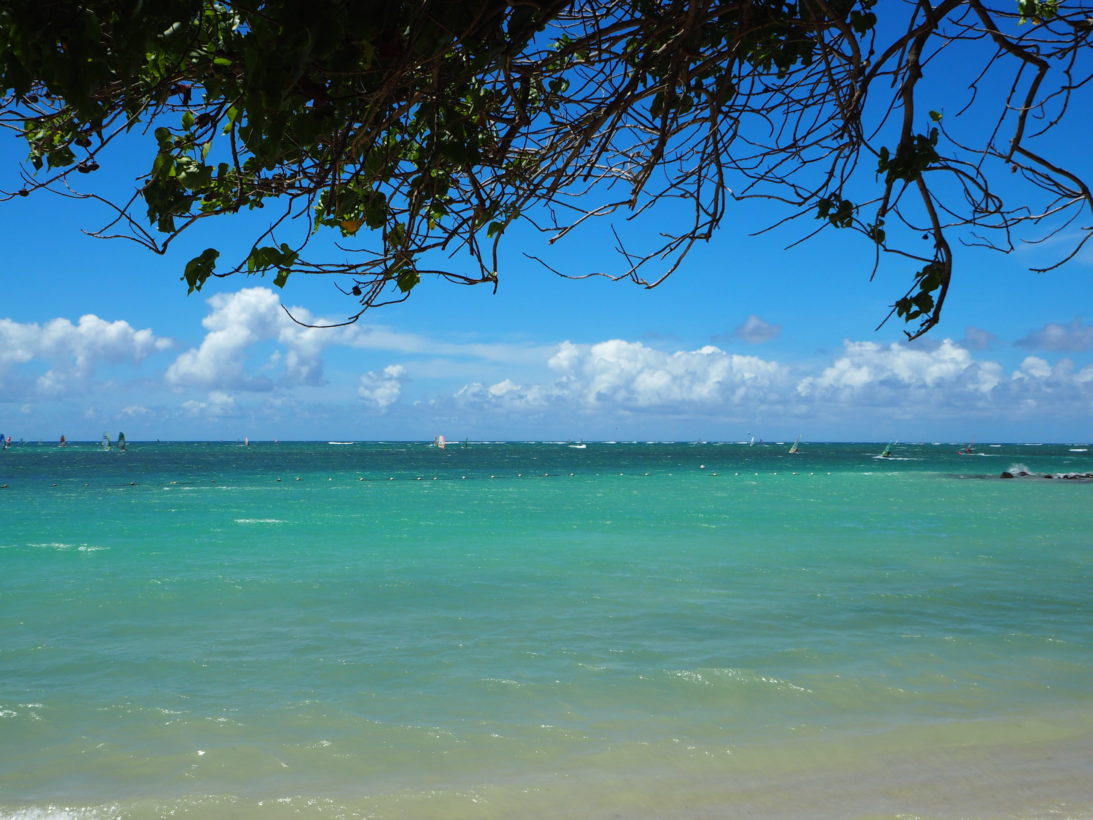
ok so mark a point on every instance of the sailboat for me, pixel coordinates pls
(121, 442)
(106, 441)
(886, 452)
(967, 451)
(246, 441)
(63, 442)
(5, 441)
(795, 447)
(440, 443)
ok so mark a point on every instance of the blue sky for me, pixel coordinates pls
(746, 338)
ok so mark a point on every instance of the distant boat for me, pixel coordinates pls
(63, 442)
(579, 445)
(106, 441)
(886, 452)
(440, 443)
(969, 450)
(246, 441)
(795, 447)
(6, 442)
(121, 442)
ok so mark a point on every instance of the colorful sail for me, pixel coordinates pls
(796, 446)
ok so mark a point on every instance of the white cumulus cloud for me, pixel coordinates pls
(238, 320)
(72, 352)
(868, 366)
(218, 405)
(630, 375)
(382, 388)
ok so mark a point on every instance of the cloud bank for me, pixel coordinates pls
(254, 364)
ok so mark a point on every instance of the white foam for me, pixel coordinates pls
(259, 521)
(61, 813)
(61, 545)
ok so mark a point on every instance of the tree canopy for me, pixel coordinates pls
(418, 132)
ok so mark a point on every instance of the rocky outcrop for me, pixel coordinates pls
(1062, 476)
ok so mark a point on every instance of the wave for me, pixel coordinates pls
(60, 545)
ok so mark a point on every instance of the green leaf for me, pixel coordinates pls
(408, 280)
(233, 115)
(200, 268)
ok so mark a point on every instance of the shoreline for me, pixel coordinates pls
(1021, 767)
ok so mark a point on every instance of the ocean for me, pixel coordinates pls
(542, 630)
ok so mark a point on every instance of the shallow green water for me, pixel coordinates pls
(497, 630)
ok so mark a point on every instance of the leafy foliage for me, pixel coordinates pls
(422, 130)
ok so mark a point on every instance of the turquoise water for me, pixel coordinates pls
(535, 630)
